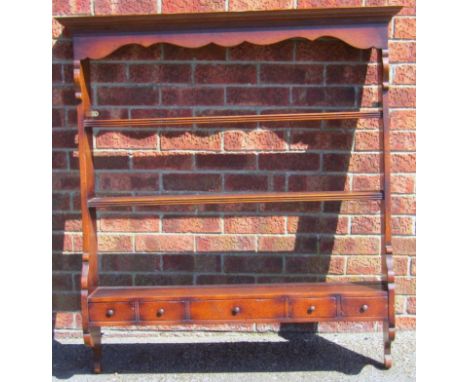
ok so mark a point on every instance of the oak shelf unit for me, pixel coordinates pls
(98, 36)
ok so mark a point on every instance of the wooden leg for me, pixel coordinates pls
(94, 341)
(389, 336)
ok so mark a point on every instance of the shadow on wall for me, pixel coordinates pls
(212, 244)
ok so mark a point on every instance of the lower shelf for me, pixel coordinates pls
(298, 302)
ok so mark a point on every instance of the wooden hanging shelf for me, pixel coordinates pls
(95, 37)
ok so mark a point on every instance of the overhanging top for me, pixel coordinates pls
(97, 36)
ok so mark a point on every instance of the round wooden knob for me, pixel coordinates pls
(311, 309)
(364, 308)
(160, 312)
(235, 310)
(110, 312)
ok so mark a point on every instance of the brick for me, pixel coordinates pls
(108, 73)
(63, 96)
(403, 162)
(327, 3)
(115, 243)
(62, 50)
(107, 161)
(368, 141)
(254, 140)
(255, 5)
(318, 140)
(160, 73)
(120, 7)
(66, 301)
(289, 162)
(117, 95)
(404, 75)
(402, 225)
(400, 265)
(59, 160)
(225, 243)
(409, 6)
(366, 163)
(162, 161)
(260, 224)
(403, 184)
(225, 161)
(317, 182)
(224, 279)
(243, 182)
(405, 28)
(291, 74)
(66, 222)
(318, 224)
(315, 265)
(130, 263)
(164, 243)
(365, 225)
(192, 6)
(403, 141)
(191, 140)
(192, 182)
(126, 139)
(282, 51)
(368, 97)
(179, 224)
(402, 97)
(112, 279)
(225, 74)
(363, 265)
(326, 50)
(352, 74)
(325, 97)
(276, 243)
(348, 245)
(411, 305)
(405, 285)
(65, 181)
(58, 118)
(62, 282)
(254, 96)
(404, 205)
(136, 52)
(205, 53)
(253, 264)
(155, 279)
(127, 182)
(403, 119)
(413, 267)
(118, 223)
(354, 207)
(56, 73)
(64, 320)
(404, 245)
(402, 51)
(367, 182)
(60, 201)
(193, 96)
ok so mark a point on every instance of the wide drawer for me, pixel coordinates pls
(366, 307)
(162, 311)
(237, 309)
(111, 312)
(313, 307)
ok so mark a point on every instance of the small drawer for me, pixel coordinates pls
(111, 312)
(161, 311)
(314, 307)
(237, 309)
(369, 307)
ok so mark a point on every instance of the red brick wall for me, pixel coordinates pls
(239, 243)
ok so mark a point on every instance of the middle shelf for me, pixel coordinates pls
(194, 199)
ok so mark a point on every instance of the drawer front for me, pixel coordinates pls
(368, 307)
(162, 311)
(312, 307)
(111, 312)
(237, 309)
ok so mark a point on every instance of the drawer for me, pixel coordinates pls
(162, 311)
(318, 307)
(370, 307)
(237, 309)
(111, 312)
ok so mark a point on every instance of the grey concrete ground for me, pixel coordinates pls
(238, 357)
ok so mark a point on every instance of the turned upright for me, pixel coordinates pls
(97, 37)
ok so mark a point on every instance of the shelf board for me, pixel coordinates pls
(278, 197)
(108, 294)
(289, 117)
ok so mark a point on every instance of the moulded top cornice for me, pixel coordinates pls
(97, 36)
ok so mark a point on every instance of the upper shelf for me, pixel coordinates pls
(98, 36)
